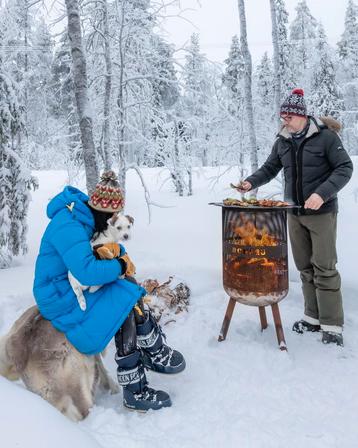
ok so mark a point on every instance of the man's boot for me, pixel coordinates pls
(302, 326)
(136, 393)
(330, 337)
(157, 355)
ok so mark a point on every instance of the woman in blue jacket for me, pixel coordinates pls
(111, 311)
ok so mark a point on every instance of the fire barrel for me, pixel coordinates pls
(255, 262)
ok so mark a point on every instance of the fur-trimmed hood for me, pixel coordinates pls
(316, 125)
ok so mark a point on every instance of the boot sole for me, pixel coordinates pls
(175, 371)
(144, 411)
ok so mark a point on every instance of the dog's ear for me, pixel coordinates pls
(112, 221)
(130, 219)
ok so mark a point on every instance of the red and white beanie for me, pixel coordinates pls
(107, 196)
(294, 104)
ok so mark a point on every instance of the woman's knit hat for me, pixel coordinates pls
(107, 197)
(294, 104)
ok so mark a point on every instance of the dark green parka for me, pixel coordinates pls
(319, 164)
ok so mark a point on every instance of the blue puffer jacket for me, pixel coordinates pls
(65, 246)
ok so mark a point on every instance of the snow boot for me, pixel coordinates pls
(156, 354)
(301, 326)
(330, 337)
(136, 393)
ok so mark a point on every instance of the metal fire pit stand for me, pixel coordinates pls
(263, 319)
(262, 286)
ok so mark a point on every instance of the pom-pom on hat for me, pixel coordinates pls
(294, 104)
(107, 197)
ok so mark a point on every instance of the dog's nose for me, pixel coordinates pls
(125, 236)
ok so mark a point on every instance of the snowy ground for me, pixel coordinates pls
(242, 392)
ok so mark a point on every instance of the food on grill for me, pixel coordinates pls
(255, 202)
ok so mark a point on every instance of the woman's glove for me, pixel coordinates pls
(107, 251)
(129, 265)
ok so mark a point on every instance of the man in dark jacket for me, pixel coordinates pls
(316, 166)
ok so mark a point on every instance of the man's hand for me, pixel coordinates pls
(314, 202)
(243, 186)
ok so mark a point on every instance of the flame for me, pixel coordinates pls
(251, 236)
(251, 261)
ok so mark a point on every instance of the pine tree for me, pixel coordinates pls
(264, 101)
(303, 36)
(348, 45)
(15, 179)
(232, 79)
(195, 81)
(196, 97)
(285, 68)
(326, 96)
(233, 76)
(264, 84)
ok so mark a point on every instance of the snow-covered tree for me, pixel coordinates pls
(348, 45)
(264, 104)
(15, 179)
(232, 79)
(233, 75)
(284, 78)
(196, 98)
(348, 76)
(40, 96)
(303, 34)
(64, 117)
(326, 98)
(79, 71)
(248, 87)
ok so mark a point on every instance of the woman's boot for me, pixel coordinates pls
(157, 355)
(136, 393)
(130, 371)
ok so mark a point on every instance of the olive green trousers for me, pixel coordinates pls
(313, 242)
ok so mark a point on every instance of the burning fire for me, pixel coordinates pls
(250, 236)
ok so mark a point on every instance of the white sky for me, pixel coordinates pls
(217, 21)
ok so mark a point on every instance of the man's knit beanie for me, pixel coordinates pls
(107, 196)
(294, 104)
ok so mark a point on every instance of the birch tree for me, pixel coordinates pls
(81, 93)
(248, 87)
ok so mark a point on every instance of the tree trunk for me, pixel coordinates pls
(120, 103)
(107, 93)
(248, 86)
(276, 63)
(81, 93)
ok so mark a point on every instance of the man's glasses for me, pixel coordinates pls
(286, 117)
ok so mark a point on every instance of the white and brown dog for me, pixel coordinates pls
(119, 230)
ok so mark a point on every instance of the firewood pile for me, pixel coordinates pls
(166, 300)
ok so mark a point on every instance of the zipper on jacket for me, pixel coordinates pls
(299, 179)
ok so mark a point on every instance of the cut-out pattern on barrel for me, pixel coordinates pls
(255, 265)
